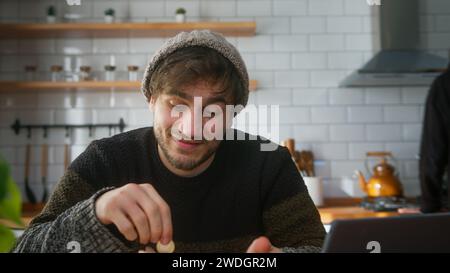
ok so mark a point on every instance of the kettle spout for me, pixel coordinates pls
(362, 181)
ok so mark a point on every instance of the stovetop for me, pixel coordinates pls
(384, 203)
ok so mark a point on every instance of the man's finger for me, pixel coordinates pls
(125, 226)
(260, 245)
(166, 217)
(140, 221)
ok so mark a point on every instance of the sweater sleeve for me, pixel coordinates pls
(290, 218)
(434, 148)
(69, 218)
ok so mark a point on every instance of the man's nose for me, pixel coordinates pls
(191, 125)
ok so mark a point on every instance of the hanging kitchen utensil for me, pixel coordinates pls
(67, 150)
(28, 191)
(44, 167)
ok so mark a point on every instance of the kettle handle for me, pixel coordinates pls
(380, 154)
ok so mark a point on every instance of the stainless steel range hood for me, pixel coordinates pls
(399, 62)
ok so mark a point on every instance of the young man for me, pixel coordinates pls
(172, 182)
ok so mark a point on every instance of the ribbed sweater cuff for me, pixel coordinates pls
(99, 236)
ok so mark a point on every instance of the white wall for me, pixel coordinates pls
(302, 50)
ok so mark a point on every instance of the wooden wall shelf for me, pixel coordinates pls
(118, 30)
(6, 86)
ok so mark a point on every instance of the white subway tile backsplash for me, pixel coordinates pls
(356, 7)
(7, 118)
(259, 43)
(264, 78)
(110, 45)
(273, 61)
(8, 153)
(217, 8)
(326, 7)
(382, 96)
(328, 42)
(346, 96)
(384, 132)
(442, 23)
(365, 114)
(73, 116)
(328, 114)
(436, 7)
(330, 151)
(254, 8)
(346, 168)
(344, 24)
(142, 117)
(401, 114)
(310, 96)
(412, 132)
(146, 9)
(404, 150)
(35, 116)
(274, 25)
(308, 24)
(274, 97)
(311, 133)
(347, 133)
(73, 46)
(326, 78)
(309, 61)
(358, 42)
(109, 115)
(411, 169)
(359, 150)
(290, 43)
(414, 95)
(345, 60)
(294, 115)
(121, 9)
(291, 78)
(290, 7)
(145, 45)
(37, 46)
(9, 46)
(9, 9)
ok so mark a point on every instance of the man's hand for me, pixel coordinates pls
(138, 212)
(262, 245)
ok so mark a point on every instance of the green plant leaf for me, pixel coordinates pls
(7, 239)
(11, 205)
(4, 174)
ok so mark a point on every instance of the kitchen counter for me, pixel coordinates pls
(345, 209)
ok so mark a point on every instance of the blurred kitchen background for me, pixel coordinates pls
(300, 57)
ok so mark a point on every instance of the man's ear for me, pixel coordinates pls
(151, 103)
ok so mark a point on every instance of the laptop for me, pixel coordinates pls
(405, 233)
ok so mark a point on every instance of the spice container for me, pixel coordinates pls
(30, 72)
(56, 74)
(85, 73)
(110, 72)
(132, 73)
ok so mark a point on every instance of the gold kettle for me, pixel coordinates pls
(384, 181)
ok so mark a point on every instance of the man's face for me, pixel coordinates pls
(180, 137)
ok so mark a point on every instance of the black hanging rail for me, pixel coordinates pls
(17, 126)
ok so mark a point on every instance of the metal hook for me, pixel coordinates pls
(90, 130)
(45, 131)
(28, 132)
(67, 131)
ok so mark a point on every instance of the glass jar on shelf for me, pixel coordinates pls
(110, 71)
(85, 73)
(56, 73)
(132, 73)
(30, 72)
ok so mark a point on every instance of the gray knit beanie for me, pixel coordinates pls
(203, 38)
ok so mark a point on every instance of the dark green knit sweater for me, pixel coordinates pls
(243, 194)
